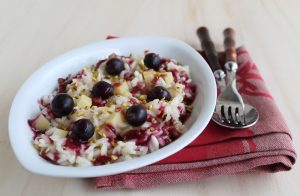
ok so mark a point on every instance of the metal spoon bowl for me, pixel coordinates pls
(250, 117)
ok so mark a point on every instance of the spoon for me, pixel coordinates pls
(250, 116)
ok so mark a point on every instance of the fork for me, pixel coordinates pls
(235, 99)
(230, 105)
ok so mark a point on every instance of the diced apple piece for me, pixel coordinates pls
(41, 123)
(173, 92)
(116, 119)
(84, 102)
(122, 89)
(59, 133)
(148, 77)
(168, 78)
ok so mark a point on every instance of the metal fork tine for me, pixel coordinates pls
(233, 112)
(242, 116)
(244, 122)
(223, 117)
(230, 116)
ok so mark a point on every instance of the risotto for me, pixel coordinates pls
(118, 109)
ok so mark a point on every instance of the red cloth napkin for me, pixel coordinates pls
(267, 146)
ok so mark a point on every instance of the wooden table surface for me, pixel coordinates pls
(32, 32)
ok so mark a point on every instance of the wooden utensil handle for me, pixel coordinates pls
(229, 45)
(209, 48)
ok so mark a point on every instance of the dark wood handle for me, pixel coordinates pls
(229, 45)
(209, 48)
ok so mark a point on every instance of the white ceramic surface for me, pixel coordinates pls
(44, 80)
